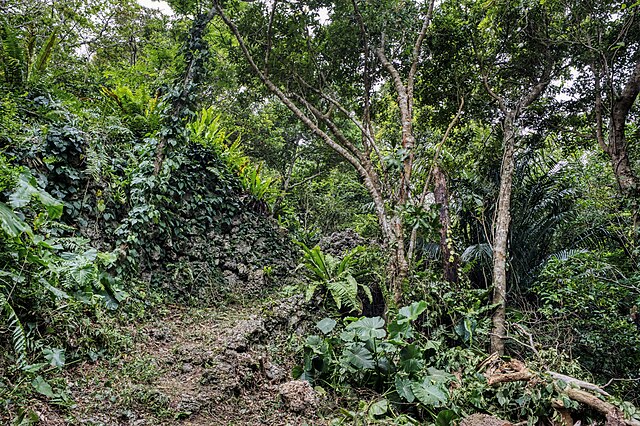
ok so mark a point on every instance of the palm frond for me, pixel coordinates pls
(431, 250)
(566, 254)
(479, 252)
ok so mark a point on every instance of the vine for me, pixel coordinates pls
(164, 153)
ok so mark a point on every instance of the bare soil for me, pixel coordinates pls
(188, 367)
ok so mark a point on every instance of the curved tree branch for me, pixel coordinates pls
(368, 176)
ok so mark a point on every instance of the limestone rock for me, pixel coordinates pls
(484, 420)
(274, 372)
(338, 243)
(287, 313)
(245, 333)
(298, 396)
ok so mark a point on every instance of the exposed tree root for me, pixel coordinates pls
(580, 391)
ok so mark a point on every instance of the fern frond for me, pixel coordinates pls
(44, 55)
(12, 55)
(18, 333)
(367, 292)
(566, 254)
(345, 292)
(310, 290)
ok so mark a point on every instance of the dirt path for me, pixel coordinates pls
(191, 367)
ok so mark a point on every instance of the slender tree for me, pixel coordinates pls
(518, 58)
(330, 88)
(607, 58)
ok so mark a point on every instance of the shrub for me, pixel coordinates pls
(586, 303)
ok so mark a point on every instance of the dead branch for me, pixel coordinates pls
(516, 371)
(616, 379)
(614, 416)
(579, 383)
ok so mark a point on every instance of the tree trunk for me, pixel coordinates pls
(178, 104)
(616, 144)
(398, 268)
(501, 235)
(626, 178)
(617, 150)
(441, 195)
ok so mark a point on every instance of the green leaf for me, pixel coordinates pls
(400, 331)
(429, 394)
(378, 408)
(348, 336)
(367, 292)
(56, 291)
(411, 359)
(19, 335)
(41, 386)
(317, 344)
(34, 368)
(432, 344)
(403, 388)
(411, 312)
(26, 188)
(10, 223)
(326, 325)
(359, 357)
(446, 418)
(466, 328)
(55, 356)
(311, 289)
(26, 418)
(368, 328)
(438, 376)
(83, 275)
(345, 292)
(110, 302)
(297, 371)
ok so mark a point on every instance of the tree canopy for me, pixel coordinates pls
(446, 191)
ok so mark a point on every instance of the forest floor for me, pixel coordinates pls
(190, 366)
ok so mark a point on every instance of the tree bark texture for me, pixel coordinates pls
(441, 194)
(501, 235)
(616, 142)
(398, 268)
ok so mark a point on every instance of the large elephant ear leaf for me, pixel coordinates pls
(27, 188)
(403, 388)
(368, 328)
(429, 394)
(10, 223)
(411, 312)
(359, 357)
(379, 408)
(326, 325)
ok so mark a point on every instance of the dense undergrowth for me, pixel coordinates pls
(129, 185)
(81, 249)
